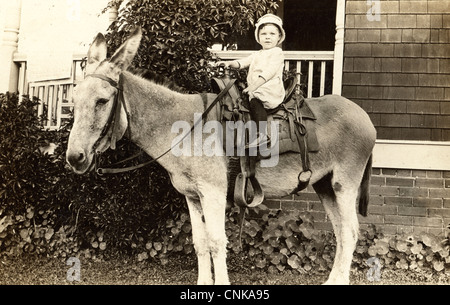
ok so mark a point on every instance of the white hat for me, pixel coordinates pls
(270, 18)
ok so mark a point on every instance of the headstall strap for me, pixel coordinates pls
(106, 78)
(115, 110)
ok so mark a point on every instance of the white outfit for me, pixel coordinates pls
(268, 64)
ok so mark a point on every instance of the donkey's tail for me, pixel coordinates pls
(364, 188)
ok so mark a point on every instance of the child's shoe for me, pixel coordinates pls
(261, 139)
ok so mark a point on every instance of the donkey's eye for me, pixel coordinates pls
(102, 101)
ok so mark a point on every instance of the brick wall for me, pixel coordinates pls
(398, 68)
(401, 201)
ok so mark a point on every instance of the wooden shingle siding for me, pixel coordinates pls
(398, 68)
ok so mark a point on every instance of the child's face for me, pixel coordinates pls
(269, 36)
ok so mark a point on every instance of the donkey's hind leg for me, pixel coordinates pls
(200, 239)
(339, 203)
(348, 227)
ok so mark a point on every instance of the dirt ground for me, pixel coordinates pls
(31, 270)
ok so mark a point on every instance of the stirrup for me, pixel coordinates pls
(303, 181)
(304, 176)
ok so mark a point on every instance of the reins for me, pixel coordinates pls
(114, 115)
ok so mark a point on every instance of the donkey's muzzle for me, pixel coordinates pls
(76, 159)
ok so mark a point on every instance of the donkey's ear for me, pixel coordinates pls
(97, 53)
(124, 55)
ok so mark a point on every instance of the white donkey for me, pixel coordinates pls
(111, 101)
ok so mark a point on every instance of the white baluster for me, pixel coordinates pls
(310, 78)
(322, 78)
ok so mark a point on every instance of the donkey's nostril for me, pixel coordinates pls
(80, 157)
(75, 159)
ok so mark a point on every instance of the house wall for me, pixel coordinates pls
(398, 68)
(401, 201)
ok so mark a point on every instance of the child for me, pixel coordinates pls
(265, 75)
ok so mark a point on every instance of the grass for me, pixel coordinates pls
(181, 270)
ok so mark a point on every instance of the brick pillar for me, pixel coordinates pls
(9, 71)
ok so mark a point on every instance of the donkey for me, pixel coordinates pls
(341, 169)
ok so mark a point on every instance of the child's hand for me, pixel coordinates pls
(248, 90)
(222, 63)
(229, 64)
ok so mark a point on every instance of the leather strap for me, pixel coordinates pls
(115, 110)
(247, 178)
(107, 79)
(305, 174)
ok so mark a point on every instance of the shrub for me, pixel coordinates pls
(46, 208)
(177, 34)
(276, 240)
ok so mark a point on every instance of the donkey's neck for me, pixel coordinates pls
(153, 109)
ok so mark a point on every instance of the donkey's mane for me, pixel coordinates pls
(157, 79)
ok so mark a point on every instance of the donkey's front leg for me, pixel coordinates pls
(214, 204)
(200, 240)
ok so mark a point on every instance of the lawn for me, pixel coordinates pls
(181, 270)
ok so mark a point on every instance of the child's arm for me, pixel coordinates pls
(237, 64)
(259, 82)
(272, 65)
(232, 64)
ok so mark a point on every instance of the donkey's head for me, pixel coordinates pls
(94, 100)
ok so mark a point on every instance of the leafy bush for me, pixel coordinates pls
(414, 252)
(45, 208)
(277, 240)
(177, 34)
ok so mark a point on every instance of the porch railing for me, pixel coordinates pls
(316, 68)
(55, 96)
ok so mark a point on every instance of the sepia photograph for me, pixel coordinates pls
(259, 143)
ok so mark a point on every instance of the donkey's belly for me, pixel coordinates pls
(280, 180)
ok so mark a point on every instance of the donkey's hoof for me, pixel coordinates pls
(336, 282)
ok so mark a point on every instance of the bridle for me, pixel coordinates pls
(115, 111)
(111, 123)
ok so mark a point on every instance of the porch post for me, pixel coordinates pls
(9, 71)
(112, 14)
(339, 48)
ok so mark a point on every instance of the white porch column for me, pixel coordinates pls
(112, 14)
(339, 48)
(9, 71)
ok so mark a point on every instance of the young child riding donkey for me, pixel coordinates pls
(144, 112)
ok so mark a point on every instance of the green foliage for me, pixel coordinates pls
(178, 33)
(420, 252)
(286, 241)
(279, 240)
(45, 208)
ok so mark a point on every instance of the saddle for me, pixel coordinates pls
(296, 133)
